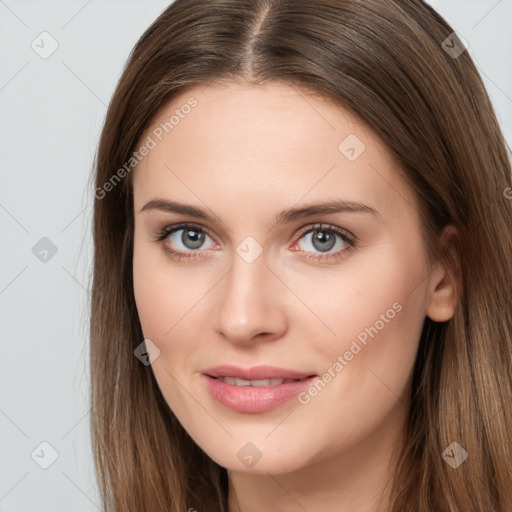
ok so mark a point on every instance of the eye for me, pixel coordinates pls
(183, 241)
(331, 242)
(187, 241)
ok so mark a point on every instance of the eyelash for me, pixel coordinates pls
(349, 240)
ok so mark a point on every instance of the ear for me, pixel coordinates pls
(444, 281)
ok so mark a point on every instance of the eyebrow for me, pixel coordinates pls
(335, 206)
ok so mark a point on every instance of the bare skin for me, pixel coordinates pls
(246, 154)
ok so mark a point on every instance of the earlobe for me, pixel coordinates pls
(443, 294)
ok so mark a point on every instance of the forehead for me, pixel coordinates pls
(257, 145)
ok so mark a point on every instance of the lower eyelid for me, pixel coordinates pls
(350, 241)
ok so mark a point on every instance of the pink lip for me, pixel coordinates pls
(251, 399)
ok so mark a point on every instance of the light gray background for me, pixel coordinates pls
(51, 114)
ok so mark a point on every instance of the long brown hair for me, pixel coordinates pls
(389, 62)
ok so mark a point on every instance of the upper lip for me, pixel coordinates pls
(255, 373)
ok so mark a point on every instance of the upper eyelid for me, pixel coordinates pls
(172, 228)
(328, 227)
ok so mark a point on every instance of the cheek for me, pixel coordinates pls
(373, 312)
(164, 294)
(377, 312)
(163, 302)
(364, 291)
(153, 297)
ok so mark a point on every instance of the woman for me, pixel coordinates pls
(303, 251)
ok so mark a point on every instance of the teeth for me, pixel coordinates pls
(233, 381)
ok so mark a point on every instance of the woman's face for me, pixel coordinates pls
(272, 283)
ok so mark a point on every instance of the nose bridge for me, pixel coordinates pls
(247, 304)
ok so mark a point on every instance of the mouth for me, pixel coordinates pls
(256, 389)
(233, 381)
(255, 374)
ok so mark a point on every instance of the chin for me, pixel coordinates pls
(254, 458)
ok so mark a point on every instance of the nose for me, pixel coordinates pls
(249, 304)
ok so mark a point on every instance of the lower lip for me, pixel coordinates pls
(252, 398)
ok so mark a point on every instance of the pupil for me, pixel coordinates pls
(196, 236)
(323, 238)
